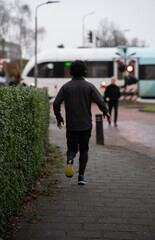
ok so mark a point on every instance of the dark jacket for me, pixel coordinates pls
(78, 95)
(112, 91)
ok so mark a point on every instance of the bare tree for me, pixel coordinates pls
(110, 35)
(24, 33)
(135, 42)
(4, 24)
(16, 27)
(22, 16)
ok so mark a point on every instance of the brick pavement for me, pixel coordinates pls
(135, 131)
(117, 203)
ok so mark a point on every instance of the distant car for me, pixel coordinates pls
(2, 80)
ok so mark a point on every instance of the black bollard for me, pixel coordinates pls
(99, 129)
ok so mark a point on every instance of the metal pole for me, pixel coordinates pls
(36, 40)
(124, 74)
(36, 65)
(99, 129)
(83, 31)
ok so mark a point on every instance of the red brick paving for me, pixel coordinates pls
(135, 131)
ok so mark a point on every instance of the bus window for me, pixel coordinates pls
(147, 72)
(31, 73)
(48, 70)
(99, 69)
(45, 70)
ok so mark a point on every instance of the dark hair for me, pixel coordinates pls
(78, 69)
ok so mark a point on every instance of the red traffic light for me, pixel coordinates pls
(130, 68)
(122, 68)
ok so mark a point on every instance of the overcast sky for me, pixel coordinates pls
(63, 21)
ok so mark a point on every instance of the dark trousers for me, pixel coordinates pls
(115, 105)
(78, 140)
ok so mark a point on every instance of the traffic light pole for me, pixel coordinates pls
(124, 73)
(127, 68)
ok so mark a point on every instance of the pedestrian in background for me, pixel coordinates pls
(78, 95)
(112, 95)
(13, 82)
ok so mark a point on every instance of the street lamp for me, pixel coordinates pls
(83, 26)
(36, 67)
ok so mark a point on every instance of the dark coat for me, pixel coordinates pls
(78, 95)
(113, 92)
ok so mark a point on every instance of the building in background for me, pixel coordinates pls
(9, 50)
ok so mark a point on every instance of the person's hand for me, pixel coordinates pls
(107, 99)
(59, 124)
(108, 117)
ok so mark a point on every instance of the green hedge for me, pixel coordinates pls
(24, 122)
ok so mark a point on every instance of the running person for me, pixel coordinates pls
(78, 94)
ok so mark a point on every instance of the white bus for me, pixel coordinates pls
(102, 64)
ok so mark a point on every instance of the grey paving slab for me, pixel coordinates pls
(117, 203)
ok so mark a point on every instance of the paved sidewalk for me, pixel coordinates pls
(117, 203)
(135, 130)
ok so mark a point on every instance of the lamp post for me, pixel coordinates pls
(83, 27)
(36, 67)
